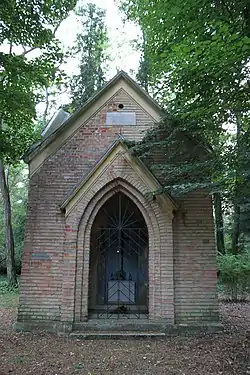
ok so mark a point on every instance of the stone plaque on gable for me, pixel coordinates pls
(120, 118)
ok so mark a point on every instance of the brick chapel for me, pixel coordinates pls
(98, 248)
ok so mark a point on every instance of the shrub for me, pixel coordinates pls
(5, 288)
(234, 275)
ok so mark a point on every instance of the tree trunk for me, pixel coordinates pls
(219, 224)
(236, 192)
(236, 229)
(8, 231)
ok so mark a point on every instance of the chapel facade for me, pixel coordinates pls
(99, 245)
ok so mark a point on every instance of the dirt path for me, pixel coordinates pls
(227, 353)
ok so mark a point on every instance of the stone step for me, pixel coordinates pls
(103, 335)
(111, 329)
(120, 326)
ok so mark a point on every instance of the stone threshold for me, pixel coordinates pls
(119, 329)
(103, 335)
(120, 325)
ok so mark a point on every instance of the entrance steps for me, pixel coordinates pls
(140, 325)
(118, 329)
(138, 329)
(102, 335)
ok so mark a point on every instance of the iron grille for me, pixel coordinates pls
(120, 242)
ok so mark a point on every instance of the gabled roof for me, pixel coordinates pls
(34, 150)
(56, 121)
(110, 155)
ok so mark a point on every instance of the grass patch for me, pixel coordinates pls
(78, 366)
(8, 296)
(19, 359)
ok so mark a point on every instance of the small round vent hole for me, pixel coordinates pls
(121, 106)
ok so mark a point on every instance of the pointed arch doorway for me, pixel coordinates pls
(118, 274)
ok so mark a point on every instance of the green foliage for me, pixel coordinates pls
(25, 27)
(143, 74)
(91, 46)
(28, 63)
(178, 156)
(78, 366)
(25, 21)
(199, 54)
(8, 295)
(234, 272)
(19, 359)
(5, 289)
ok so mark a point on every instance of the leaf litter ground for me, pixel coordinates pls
(226, 353)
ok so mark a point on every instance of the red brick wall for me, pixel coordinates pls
(42, 274)
(51, 242)
(159, 223)
(194, 260)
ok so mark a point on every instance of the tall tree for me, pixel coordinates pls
(17, 180)
(143, 74)
(25, 27)
(219, 222)
(199, 58)
(91, 46)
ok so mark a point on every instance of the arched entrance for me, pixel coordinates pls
(118, 274)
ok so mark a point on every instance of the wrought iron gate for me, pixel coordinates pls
(120, 241)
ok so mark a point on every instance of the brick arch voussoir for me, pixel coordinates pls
(149, 211)
(99, 199)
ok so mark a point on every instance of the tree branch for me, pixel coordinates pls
(28, 50)
(2, 260)
(45, 113)
(56, 28)
(35, 47)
